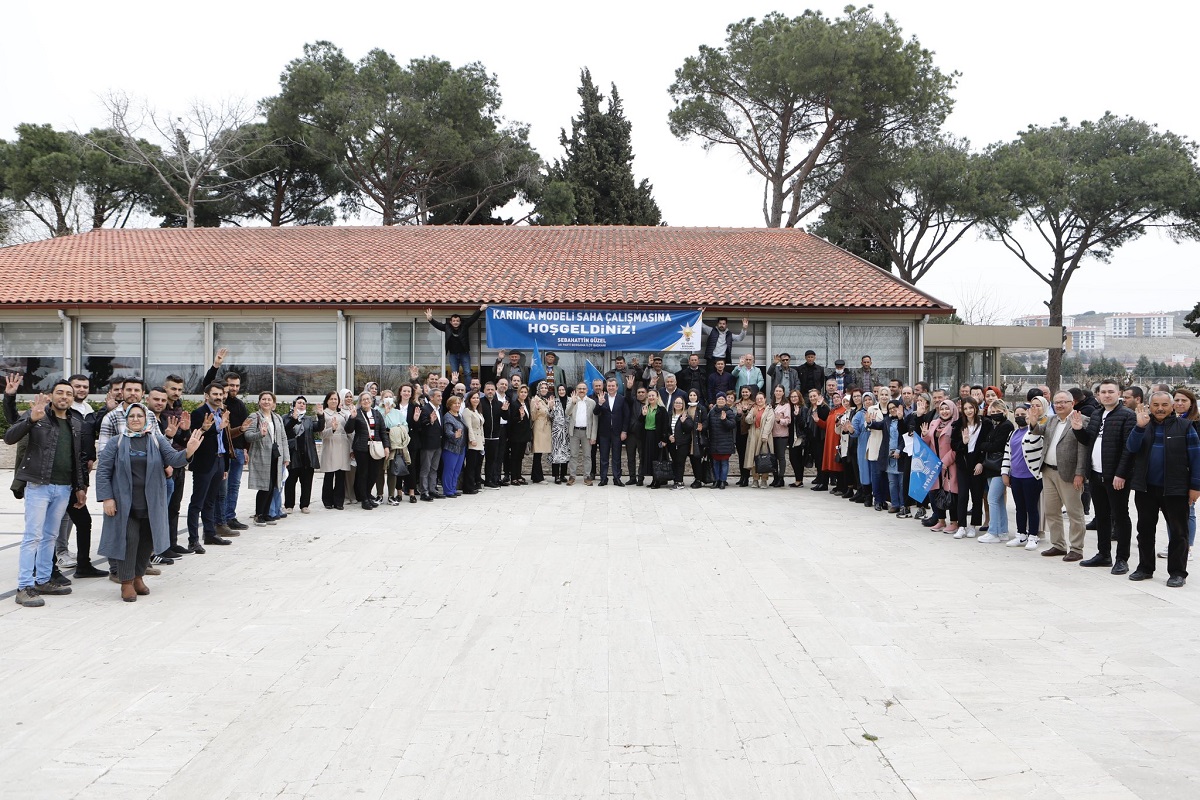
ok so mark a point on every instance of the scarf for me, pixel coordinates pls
(145, 428)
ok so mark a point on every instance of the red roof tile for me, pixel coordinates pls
(418, 266)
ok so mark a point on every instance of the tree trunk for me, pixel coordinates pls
(1054, 357)
(191, 215)
(775, 211)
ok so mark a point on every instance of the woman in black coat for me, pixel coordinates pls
(520, 434)
(699, 414)
(653, 424)
(967, 434)
(679, 438)
(366, 426)
(301, 432)
(800, 431)
(722, 439)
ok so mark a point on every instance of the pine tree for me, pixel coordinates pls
(593, 183)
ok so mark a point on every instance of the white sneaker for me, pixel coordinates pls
(1017, 541)
(1032, 543)
(971, 532)
(989, 538)
(961, 532)
(65, 559)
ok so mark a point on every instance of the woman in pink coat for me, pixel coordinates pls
(937, 435)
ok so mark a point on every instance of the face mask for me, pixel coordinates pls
(1022, 422)
(996, 417)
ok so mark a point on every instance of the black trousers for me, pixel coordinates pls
(1112, 517)
(303, 476)
(333, 489)
(364, 478)
(82, 519)
(678, 460)
(470, 475)
(512, 463)
(535, 472)
(697, 463)
(743, 463)
(1174, 509)
(414, 469)
(262, 501)
(780, 446)
(796, 456)
(505, 457)
(970, 487)
(139, 542)
(633, 449)
(610, 456)
(178, 479)
(491, 461)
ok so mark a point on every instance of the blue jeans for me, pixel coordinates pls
(1027, 495)
(276, 509)
(1191, 525)
(896, 487)
(720, 468)
(879, 481)
(45, 504)
(233, 485)
(460, 363)
(997, 508)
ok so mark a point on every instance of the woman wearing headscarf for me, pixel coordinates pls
(302, 431)
(1021, 471)
(268, 456)
(848, 485)
(335, 452)
(130, 484)
(699, 447)
(385, 401)
(921, 414)
(350, 409)
(395, 420)
(542, 435)
(560, 435)
(369, 432)
(939, 435)
(861, 440)
(760, 424)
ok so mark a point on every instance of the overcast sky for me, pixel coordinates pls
(1021, 63)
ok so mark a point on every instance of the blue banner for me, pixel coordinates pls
(655, 330)
(925, 468)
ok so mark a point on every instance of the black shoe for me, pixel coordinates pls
(819, 487)
(367, 505)
(210, 540)
(617, 482)
(1120, 567)
(929, 522)
(88, 571)
(178, 550)
(162, 558)
(196, 549)
(425, 496)
(724, 484)
(1091, 526)
(470, 491)
(52, 587)
(1097, 561)
(604, 481)
(235, 525)
(1138, 575)
(1175, 581)
(412, 498)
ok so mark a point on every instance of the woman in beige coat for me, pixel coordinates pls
(542, 440)
(760, 420)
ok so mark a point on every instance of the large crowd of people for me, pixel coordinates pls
(850, 433)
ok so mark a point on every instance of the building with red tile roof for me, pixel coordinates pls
(302, 308)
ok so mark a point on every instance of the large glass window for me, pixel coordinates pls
(887, 345)
(795, 339)
(427, 353)
(251, 352)
(383, 352)
(34, 349)
(110, 350)
(175, 348)
(306, 357)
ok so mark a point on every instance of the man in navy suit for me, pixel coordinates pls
(611, 425)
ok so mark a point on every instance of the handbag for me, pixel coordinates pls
(662, 472)
(764, 462)
(944, 500)
(399, 467)
(376, 450)
(993, 463)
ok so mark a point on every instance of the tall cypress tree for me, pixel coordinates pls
(593, 183)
